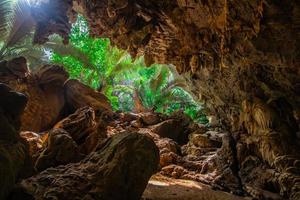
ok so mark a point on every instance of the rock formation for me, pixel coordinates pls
(82, 127)
(118, 169)
(115, 168)
(51, 95)
(79, 95)
(44, 89)
(60, 149)
(14, 152)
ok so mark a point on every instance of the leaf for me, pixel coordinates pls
(173, 84)
(157, 80)
(5, 12)
(58, 47)
(20, 23)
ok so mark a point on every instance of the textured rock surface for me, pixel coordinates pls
(44, 90)
(214, 158)
(14, 152)
(50, 95)
(119, 169)
(82, 127)
(272, 136)
(60, 149)
(79, 95)
(34, 140)
(170, 129)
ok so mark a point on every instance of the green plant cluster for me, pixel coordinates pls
(127, 83)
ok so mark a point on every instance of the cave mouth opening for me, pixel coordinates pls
(128, 83)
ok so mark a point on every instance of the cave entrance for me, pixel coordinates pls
(128, 83)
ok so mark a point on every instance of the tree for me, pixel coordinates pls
(16, 30)
(126, 82)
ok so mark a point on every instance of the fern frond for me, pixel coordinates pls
(58, 47)
(173, 84)
(20, 23)
(157, 80)
(5, 12)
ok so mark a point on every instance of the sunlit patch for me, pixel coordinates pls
(158, 183)
(31, 2)
(179, 182)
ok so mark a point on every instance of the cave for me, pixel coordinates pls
(62, 139)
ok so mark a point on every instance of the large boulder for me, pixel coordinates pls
(170, 128)
(150, 118)
(60, 149)
(13, 69)
(83, 128)
(119, 169)
(79, 95)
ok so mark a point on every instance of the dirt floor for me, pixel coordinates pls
(163, 188)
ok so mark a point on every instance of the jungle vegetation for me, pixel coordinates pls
(127, 82)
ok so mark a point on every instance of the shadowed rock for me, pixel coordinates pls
(14, 153)
(60, 149)
(79, 95)
(82, 127)
(44, 89)
(119, 169)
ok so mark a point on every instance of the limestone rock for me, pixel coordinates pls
(60, 149)
(79, 95)
(44, 89)
(12, 106)
(170, 129)
(119, 169)
(13, 69)
(205, 140)
(59, 10)
(34, 140)
(14, 153)
(128, 117)
(150, 118)
(168, 150)
(82, 127)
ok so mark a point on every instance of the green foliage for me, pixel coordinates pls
(16, 28)
(84, 57)
(124, 81)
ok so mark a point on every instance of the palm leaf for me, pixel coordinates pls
(20, 24)
(173, 84)
(124, 63)
(157, 81)
(35, 56)
(5, 11)
(56, 45)
(124, 88)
